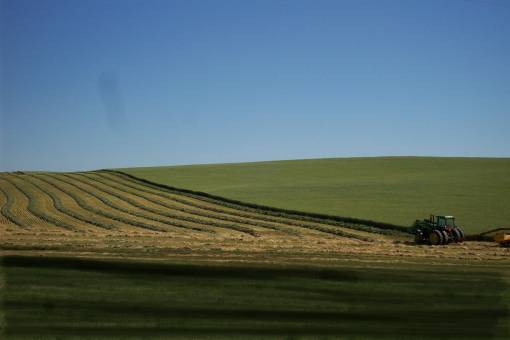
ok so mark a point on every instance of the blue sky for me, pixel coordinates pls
(95, 84)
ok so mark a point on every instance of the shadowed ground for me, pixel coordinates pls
(50, 296)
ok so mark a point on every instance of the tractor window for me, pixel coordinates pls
(440, 222)
(450, 221)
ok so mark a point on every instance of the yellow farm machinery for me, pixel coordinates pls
(503, 239)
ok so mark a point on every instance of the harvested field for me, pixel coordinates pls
(112, 213)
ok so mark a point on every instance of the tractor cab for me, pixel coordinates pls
(443, 222)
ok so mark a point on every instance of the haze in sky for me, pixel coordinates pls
(96, 84)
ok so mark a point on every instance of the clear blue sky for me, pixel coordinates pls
(95, 84)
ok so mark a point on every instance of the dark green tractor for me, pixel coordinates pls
(437, 230)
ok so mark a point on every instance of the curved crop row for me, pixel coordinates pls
(3, 201)
(174, 207)
(169, 219)
(19, 208)
(100, 212)
(80, 203)
(35, 209)
(159, 193)
(323, 229)
(347, 222)
(131, 212)
(166, 221)
(236, 210)
(172, 216)
(57, 202)
(169, 215)
(6, 210)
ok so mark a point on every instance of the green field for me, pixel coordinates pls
(388, 189)
(102, 254)
(49, 297)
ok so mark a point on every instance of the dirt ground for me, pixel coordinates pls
(308, 246)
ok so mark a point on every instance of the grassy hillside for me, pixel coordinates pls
(389, 189)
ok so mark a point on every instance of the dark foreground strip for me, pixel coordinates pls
(130, 267)
(341, 301)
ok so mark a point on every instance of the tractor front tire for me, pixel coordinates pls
(436, 237)
(418, 237)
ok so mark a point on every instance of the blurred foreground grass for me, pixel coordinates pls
(49, 297)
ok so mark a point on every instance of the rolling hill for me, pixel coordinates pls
(396, 190)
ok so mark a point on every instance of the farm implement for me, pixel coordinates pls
(437, 230)
(503, 239)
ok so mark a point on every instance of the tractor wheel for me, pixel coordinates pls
(418, 237)
(458, 235)
(462, 236)
(446, 239)
(436, 237)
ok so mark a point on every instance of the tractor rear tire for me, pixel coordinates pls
(436, 237)
(462, 236)
(458, 235)
(446, 239)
